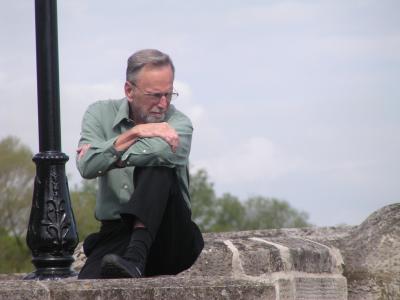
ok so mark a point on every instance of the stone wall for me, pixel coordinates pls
(348, 262)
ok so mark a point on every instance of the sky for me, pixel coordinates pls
(296, 100)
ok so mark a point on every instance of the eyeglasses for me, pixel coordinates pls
(156, 97)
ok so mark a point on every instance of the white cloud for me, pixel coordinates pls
(249, 159)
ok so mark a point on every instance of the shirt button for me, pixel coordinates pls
(128, 163)
(114, 156)
(144, 151)
(99, 172)
(126, 186)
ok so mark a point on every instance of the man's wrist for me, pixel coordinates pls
(126, 139)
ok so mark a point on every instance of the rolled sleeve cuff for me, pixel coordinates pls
(100, 157)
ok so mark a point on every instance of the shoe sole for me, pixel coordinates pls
(112, 268)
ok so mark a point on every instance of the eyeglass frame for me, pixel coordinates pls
(156, 97)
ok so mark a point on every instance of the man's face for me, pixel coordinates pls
(145, 107)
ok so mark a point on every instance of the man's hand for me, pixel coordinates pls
(82, 150)
(162, 130)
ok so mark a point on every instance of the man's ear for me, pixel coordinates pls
(128, 90)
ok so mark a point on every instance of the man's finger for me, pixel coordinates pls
(82, 150)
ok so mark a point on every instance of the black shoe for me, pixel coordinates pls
(114, 266)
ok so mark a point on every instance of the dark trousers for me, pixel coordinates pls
(158, 203)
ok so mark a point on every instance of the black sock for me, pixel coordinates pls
(139, 247)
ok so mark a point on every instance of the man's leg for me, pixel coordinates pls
(158, 209)
(178, 242)
(113, 237)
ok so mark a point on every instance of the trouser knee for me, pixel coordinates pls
(153, 175)
(154, 187)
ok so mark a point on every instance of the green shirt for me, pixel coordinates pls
(102, 123)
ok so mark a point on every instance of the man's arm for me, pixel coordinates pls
(95, 154)
(153, 144)
(163, 130)
(159, 150)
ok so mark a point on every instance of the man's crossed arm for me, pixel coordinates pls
(152, 144)
(128, 138)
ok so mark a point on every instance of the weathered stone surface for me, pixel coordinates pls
(307, 263)
(22, 290)
(370, 253)
(169, 287)
(372, 256)
(320, 288)
(15, 276)
(298, 268)
(215, 260)
(295, 268)
(180, 287)
(257, 255)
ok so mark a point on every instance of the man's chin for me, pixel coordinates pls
(155, 118)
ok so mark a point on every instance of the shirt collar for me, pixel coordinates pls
(123, 113)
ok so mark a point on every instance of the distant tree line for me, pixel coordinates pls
(211, 213)
(228, 213)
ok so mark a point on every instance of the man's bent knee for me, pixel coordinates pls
(152, 174)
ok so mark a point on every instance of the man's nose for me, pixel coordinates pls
(163, 103)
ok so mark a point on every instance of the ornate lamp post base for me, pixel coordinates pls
(52, 235)
(49, 268)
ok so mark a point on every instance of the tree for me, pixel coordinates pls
(17, 173)
(202, 200)
(83, 200)
(265, 213)
(227, 213)
(13, 257)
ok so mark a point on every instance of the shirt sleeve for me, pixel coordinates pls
(157, 152)
(101, 156)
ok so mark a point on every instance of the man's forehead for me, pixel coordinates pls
(154, 68)
(155, 74)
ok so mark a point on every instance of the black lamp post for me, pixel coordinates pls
(52, 235)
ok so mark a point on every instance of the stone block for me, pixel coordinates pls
(167, 287)
(255, 255)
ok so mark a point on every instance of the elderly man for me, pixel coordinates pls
(138, 148)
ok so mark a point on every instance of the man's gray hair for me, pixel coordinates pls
(145, 57)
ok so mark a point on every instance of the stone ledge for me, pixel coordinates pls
(288, 286)
(173, 287)
(359, 262)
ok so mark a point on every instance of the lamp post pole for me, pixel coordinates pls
(52, 235)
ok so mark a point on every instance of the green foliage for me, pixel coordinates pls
(14, 257)
(83, 203)
(16, 184)
(202, 200)
(228, 213)
(264, 213)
